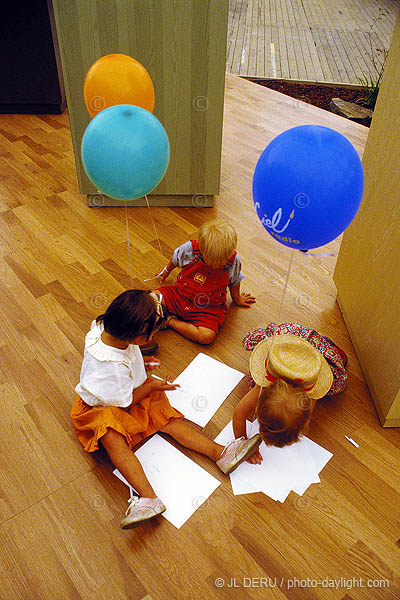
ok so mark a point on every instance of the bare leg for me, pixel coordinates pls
(188, 436)
(127, 463)
(202, 335)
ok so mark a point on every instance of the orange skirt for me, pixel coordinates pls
(143, 419)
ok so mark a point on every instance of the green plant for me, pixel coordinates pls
(371, 85)
(371, 82)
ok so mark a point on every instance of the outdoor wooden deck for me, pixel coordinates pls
(309, 40)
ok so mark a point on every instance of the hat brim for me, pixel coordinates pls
(259, 356)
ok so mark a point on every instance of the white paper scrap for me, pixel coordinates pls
(181, 484)
(206, 383)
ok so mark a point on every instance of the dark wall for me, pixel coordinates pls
(30, 69)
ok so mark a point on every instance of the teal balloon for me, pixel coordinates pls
(125, 151)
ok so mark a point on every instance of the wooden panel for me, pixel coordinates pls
(182, 43)
(367, 272)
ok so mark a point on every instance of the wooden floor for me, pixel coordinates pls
(61, 263)
(309, 40)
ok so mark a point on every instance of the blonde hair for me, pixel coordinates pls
(283, 411)
(217, 242)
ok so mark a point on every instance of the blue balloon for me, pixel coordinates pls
(125, 151)
(307, 186)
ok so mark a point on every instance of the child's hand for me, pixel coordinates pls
(151, 362)
(162, 275)
(162, 386)
(245, 300)
(256, 458)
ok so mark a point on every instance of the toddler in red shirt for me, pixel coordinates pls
(197, 302)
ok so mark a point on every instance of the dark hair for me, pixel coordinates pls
(131, 314)
(283, 411)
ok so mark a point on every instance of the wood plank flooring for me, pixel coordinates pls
(61, 263)
(309, 40)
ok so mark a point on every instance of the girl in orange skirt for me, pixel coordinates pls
(117, 405)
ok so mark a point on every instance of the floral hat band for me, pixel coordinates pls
(293, 359)
(272, 378)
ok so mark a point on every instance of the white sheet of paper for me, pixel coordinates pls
(276, 475)
(300, 488)
(293, 467)
(320, 457)
(180, 483)
(205, 382)
(252, 427)
(239, 485)
(284, 495)
(319, 454)
(226, 435)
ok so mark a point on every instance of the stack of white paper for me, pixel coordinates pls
(282, 470)
(205, 383)
(181, 484)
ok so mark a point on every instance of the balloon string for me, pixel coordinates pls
(154, 225)
(280, 311)
(327, 254)
(129, 244)
(285, 286)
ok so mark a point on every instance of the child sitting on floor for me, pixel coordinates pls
(291, 367)
(210, 264)
(118, 406)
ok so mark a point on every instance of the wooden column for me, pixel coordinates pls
(367, 273)
(182, 44)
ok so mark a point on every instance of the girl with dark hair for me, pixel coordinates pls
(118, 406)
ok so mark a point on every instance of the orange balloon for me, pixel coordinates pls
(117, 79)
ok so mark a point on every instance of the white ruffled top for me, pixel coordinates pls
(109, 375)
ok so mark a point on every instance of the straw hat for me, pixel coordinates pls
(294, 359)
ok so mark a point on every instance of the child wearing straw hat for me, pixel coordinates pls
(291, 367)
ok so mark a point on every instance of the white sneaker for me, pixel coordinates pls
(236, 452)
(140, 510)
